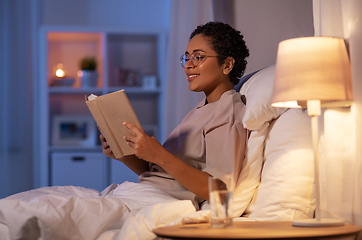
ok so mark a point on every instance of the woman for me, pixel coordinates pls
(210, 141)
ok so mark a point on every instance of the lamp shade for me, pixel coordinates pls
(312, 68)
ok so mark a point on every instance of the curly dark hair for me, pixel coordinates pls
(227, 42)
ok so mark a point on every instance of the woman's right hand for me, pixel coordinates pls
(137, 165)
(106, 148)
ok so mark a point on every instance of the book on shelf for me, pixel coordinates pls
(110, 111)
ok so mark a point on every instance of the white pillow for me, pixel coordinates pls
(286, 190)
(258, 92)
(258, 113)
(249, 177)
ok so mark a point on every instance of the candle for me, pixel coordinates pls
(59, 72)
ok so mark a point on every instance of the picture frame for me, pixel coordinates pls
(73, 130)
(149, 82)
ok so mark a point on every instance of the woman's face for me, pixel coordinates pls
(207, 76)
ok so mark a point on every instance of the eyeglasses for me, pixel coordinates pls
(196, 59)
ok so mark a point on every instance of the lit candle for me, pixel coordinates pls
(59, 72)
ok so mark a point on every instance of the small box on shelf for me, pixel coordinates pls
(149, 82)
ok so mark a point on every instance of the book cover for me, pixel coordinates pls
(110, 111)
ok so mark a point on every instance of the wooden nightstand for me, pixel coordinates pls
(256, 230)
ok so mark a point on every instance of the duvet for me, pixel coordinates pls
(125, 211)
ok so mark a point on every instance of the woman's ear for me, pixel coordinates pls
(228, 65)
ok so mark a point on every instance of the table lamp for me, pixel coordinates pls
(313, 73)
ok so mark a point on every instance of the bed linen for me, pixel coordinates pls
(70, 212)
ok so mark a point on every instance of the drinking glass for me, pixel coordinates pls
(221, 199)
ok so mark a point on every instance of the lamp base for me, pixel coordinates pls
(324, 222)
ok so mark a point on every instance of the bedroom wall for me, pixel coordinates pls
(265, 23)
(353, 23)
(341, 161)
(15, 96)
(118, 13)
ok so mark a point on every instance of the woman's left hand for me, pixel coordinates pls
(146, 147)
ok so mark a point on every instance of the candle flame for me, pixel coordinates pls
(59, 73)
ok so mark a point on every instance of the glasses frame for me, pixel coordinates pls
(193, 58)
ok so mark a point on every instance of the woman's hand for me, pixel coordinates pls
(149, 149)
(106, 148)
(146, 147)
(134, 163)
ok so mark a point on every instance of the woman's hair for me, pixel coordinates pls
(227, 42)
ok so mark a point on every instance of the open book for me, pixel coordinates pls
(110, 111)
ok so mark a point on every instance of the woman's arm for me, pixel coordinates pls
(131, 161)
(149, 149)
(191, 178)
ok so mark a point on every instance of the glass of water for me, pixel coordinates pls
(221, 199)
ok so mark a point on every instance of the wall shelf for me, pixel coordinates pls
(119, 65)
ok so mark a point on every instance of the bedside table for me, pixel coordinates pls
(256, 230)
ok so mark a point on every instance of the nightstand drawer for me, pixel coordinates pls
(79, 169)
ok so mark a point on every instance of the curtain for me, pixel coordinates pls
(16, 96)
(186, 15)
(341, 138)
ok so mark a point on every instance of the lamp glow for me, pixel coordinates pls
(286, 104)
(313, 72)
(60, 72)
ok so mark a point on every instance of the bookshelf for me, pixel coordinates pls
(68, 143)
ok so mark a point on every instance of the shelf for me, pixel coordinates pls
(129, 59)
(74, 90)
(94, 90)
(69, 48)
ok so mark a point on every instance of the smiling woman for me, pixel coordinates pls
(210, 141)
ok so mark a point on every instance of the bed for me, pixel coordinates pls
(276, 184)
